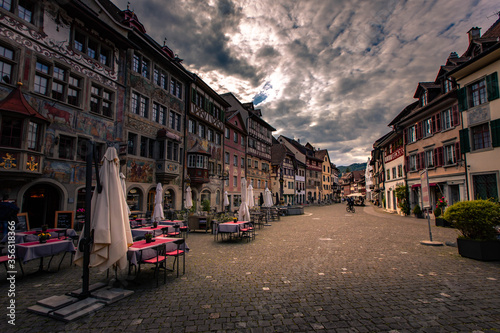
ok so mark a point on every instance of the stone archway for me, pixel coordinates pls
(41, 201)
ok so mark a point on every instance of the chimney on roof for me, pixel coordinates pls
(298, 140)
(474, 33)
(453, 55)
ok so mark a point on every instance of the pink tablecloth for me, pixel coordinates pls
(155, 231)
(231, 226)
(141, 249)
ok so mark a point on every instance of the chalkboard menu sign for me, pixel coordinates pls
(22, 222)
(64, 219)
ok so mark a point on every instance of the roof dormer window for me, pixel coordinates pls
(424, 98)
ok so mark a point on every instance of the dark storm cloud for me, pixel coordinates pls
(330, 72)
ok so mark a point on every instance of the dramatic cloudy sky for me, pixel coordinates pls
(330, 72)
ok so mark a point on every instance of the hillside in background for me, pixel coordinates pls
(352, 167)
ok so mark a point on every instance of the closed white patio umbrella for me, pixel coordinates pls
(250, 198)
(226, 199)
(243, 212)
(268, 198)
(189, 198)
(124, 187)
(108, 219)
(158, 211)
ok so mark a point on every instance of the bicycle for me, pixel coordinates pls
(350, 209)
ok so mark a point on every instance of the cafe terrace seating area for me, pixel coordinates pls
(161, 245)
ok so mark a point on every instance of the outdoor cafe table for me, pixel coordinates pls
(142, 250)
(31, 236)
(140, 232)
(174, 222)
(34, 250)
(232, 227)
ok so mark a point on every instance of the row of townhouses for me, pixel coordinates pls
(80, 71)
(451, 130)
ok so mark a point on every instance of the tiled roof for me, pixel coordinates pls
(493, 31)
(15, 102)
(278, 153)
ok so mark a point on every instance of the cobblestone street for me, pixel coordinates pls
(324, 271)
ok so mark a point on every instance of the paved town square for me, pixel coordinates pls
(324, 271)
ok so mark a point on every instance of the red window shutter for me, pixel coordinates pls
(419, 131)
(417, 158)
(422, 160)
(407, 163)
(439, 156)
(405, 136)
(434, 127)
(458, 156)
(456, 117)
(438, 122)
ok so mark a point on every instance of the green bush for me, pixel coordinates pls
(205, 204)
(402, 195)
(417, 211)
(437, 212)
(474, 219)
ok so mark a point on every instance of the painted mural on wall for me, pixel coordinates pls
(65, 120)
(94, 126)
(139, 171)
(64, 172)
(58, 47)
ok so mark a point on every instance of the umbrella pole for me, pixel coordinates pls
(86, 240)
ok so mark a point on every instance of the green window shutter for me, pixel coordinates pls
(492, 86)
(462, 99)
(193, 95)
(495, 132)
(464, 141)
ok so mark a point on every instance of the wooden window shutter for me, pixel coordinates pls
(492, 86)
(193, 95)
(455, 115)
(421, 160)
(434, 125)
(439, 155)
(438, 122)
(464, 141)
(405, 136)
(495, 132)
(458, 155)
(462, 99)
(434, 157)
(407, 164)
(419, 130)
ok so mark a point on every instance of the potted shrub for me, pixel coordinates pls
(476, 220)
(149, 237)
(418, 212)
(440, 221)
(205, 205)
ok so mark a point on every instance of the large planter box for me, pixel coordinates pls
(295, 210)
(440, 222)
(479, 250)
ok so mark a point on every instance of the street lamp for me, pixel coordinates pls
(281, 187)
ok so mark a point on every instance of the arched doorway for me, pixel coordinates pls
(134, 199)
(151, 201)
(169, 199)
(205, 195)
(41, 201)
